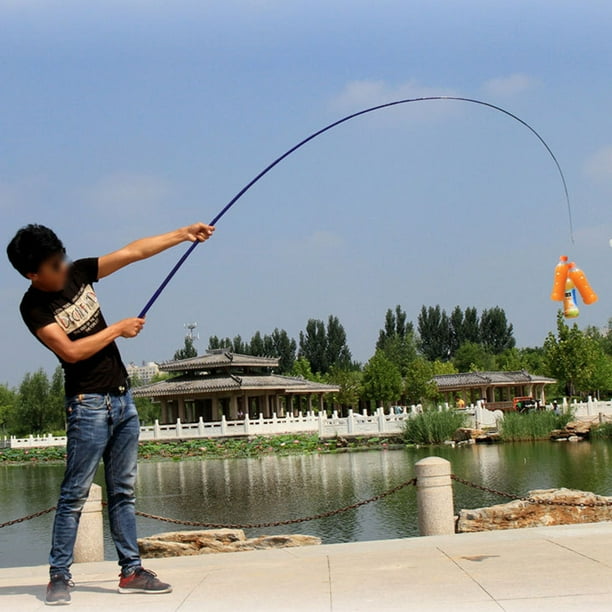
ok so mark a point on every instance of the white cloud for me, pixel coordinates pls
(358, 95)
(598, 167)
(128, 194)
(510, 85)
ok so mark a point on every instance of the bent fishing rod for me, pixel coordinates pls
(314, 135)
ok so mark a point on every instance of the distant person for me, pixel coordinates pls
(460, 403)
(61, 310)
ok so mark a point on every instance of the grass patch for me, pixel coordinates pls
(602, 432)
(207, 448)
(433, 426)
(516, 427)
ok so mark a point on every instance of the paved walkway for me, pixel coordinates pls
(554, 568)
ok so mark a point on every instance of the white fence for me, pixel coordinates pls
(381, 422)
(355, 424)
(590, 408)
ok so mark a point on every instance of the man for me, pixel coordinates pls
(61, 309)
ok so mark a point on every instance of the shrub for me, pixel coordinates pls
(433, 426)
(531, 426)
(603, 431)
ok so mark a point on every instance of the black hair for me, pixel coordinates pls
(31, 246)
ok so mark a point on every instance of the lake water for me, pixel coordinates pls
(273, 488)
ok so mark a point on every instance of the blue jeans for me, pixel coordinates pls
(99, 427)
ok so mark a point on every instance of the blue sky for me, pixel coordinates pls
(122, 119)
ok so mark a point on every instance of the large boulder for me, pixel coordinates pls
(517, 514)
(573, 431)
(188, 543)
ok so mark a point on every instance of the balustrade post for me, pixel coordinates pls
(435, 497)
(89, 545)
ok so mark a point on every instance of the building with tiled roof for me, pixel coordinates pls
(224, 383)
(496, 388)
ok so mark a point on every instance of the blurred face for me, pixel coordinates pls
(52, 274)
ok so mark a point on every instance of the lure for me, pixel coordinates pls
(314, 135)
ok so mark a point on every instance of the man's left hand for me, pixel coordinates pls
(199, 232)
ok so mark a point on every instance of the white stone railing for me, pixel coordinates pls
(327, 427)
(32, 441)
(590, 408)
(381, 422)
(354, 424)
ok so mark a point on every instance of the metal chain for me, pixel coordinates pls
(530, 499)
(328, 513)
(313, 517)
(27, 518)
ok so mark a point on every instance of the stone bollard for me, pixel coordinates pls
(435, 496)
(89, 545)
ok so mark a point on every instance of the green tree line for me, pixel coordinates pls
(406, 358)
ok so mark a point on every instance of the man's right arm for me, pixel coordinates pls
(72, 351)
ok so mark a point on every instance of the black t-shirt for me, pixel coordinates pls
(77, 311)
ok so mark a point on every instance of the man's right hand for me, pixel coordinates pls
(130, 328)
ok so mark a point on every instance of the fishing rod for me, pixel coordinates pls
(314, 135)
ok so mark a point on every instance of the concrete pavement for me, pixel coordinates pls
(554, 568)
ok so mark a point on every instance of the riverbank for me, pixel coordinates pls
(547, 569)
(224, 448)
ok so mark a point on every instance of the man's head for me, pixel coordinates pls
(39, 255)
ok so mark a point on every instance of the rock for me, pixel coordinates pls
(341, 442)
(575, 429)
(491, 437)
(155, 549)
(283, 541)
(449, 443)
(224, 536)
(189, 543)
(519, 514)
(464, 434)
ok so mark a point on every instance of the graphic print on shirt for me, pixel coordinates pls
(82, 315)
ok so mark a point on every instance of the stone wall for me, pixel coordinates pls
(518, 514)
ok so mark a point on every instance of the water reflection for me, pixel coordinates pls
(272, 488)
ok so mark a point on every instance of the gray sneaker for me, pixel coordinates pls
(58, 591)
(142, 581)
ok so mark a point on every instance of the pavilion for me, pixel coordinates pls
(496, 388)
(224, 383)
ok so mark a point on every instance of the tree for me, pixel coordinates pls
(277, 344)
(302, 369)
(396, 339)
(434, 332)
(188, 351)
(382, 381)
(57, 398)
(8, 400)
(338, 354)
(32, 414)
(418, 380)
(471, 326)
(575, 359)
(456, 329)
(313, 345)
(471, 357)
(496, 334)
(349, 382)
(419, 384)
(283, 347)
(256, 345)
